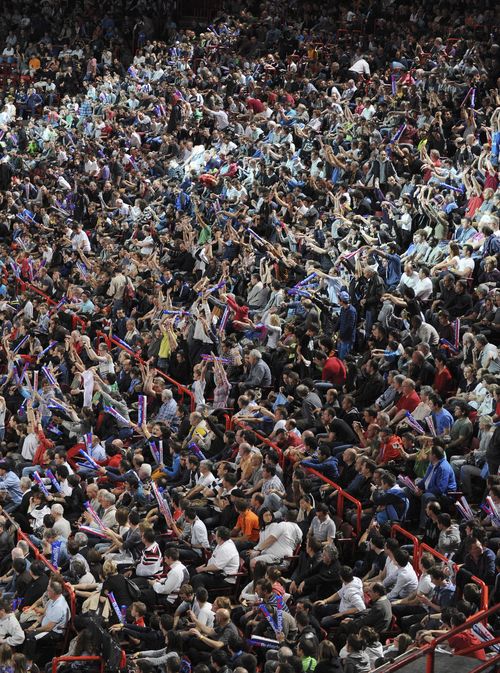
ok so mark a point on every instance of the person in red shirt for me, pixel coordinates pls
(391, 447)
(332, 368)
(255, 105)
(443, 381)
(465, 639)
(138, 611)
(433, 161)
(408, 401)
(240, 312)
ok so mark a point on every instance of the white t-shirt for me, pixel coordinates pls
(227, 559)
(351, 596)
(206, 480)
(465, 263)
(423, 288)
(425, 586)
(288, 535)
(30, 445)
(199, 392)
(80, 241)
(361, 67)
(204, 614)
(410, 281)
(391, 573)
(199, 534)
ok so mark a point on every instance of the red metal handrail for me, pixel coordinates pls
(478, 646)
(341, 497)
(38, 554)
(495, 661)
(33, 288)
(397, 529)
(484, 589)
(181, 389)
(428, 651)
(58, 660)
(263, 438)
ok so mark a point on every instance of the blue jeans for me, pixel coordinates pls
(343, 349)
(389, 514)
(369, 318)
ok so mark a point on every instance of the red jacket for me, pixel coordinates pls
(240, 312)
(334, 371)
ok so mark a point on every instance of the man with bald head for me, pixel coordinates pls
(205, 639)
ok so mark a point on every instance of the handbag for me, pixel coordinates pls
(133, 590)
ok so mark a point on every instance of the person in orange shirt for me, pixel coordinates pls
(34, 64)
(246, 532)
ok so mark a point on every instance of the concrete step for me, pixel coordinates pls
(443, 663)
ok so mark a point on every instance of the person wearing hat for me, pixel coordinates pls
(346, 325)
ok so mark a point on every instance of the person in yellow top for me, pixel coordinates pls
(246, 532)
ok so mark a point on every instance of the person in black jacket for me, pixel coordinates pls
(493, 452)
(371, 301)
(324, 578)
(38, 585)
(175, 115)
(371, 386)
(73, 504)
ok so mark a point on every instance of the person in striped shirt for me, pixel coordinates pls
(151, 561)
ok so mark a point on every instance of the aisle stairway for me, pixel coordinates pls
(443, 663)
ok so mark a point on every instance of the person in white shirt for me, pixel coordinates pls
(221, 120)
(465, 264)
(169, 586)
(413, 604)
(30, 446)
(424, 288)
(348, 600)
(198, 536)
(361, 67)
(11, 632)
(406, 577)
(281, 540)
(62, 526)
(409, 278)
(80, 240)
(222, 567)
(201, 614)
(204, 480)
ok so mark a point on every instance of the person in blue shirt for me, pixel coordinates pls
(439, 480)
(392, 275)
(442, 418)
(392, 503)
(10, 487)
(325, 463)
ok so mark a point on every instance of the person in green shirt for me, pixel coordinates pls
(306, 650)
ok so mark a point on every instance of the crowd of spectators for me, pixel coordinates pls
(249, 279)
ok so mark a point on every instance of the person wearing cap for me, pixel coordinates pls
(346, 325)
